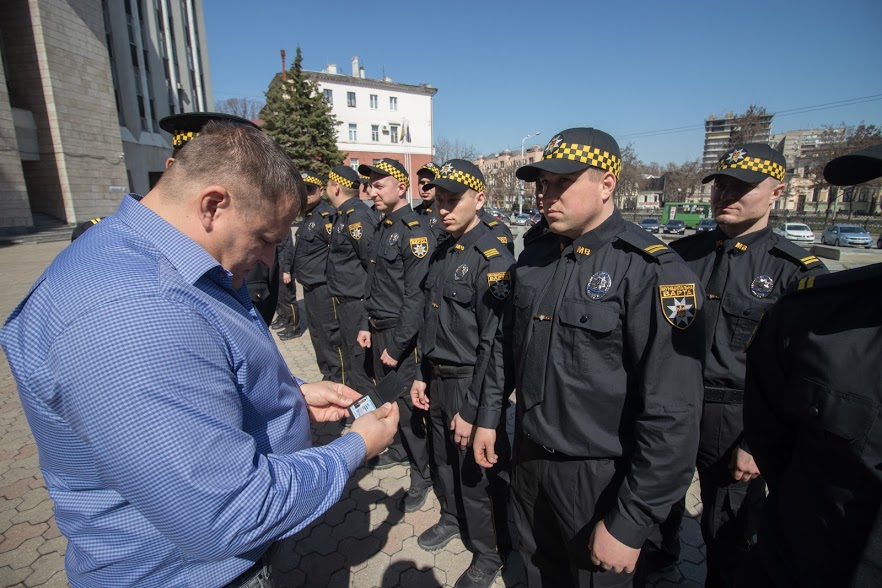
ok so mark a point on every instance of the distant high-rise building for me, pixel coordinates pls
(84, 84)
(719, 134)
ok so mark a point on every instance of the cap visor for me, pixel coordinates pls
(853, 169)
(530, 173)
(447, 184)
(745, 175)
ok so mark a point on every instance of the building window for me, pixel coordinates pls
(393, 132)
(393, 103)
(375, 133)
(374, 101)
(329, 97)
(353, 132)
(353, 163)
(350, 99)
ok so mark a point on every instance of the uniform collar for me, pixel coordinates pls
(600, 236)
(471, 237)
(743, 243)
(394, 217)
(349, 204)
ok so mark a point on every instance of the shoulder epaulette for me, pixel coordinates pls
(797, 253)
(490, 253)
(869, 276)
(350, 211)
(414, 223)
(325, 213)
(647, 245)
(493, 223)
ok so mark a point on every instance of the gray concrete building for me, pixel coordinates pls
(84, 84)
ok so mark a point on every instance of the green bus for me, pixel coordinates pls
(689, 212)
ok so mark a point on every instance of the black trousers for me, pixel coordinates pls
(412, 421)
(731, 509)
(556, 502)
(324, 331)
(356, 359)
(473, 498)
(287, 305)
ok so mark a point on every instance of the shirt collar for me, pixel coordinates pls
(741, 244)
(471, 237)
(599, 236)
(189, 258)
(394, 217)
(349, 204)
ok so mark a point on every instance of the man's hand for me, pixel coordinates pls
(364, 338)
(328, 401)
(286, 277)
(485, 447)
(387, 359)
(462, 431)
(742, 466)
(418, 395)
(377, 428)
(609, 553)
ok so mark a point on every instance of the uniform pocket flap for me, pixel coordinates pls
(458, 293)
(744, 307)
(588, 316)
(846, 415)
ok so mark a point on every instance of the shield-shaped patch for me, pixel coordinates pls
(419, 246)
(355, 231)
(678, 304)
(328, 228)
(499, 284)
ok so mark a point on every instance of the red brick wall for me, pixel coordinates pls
(416, 162)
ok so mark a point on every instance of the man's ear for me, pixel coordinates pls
(168, 162)
(608, 185)
(480, 198)
(214, 203)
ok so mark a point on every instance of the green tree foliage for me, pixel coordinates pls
(299, 119)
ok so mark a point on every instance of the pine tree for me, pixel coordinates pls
(299, 119)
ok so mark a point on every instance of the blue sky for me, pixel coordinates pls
(504, 70)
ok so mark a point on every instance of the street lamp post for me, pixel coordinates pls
(521, 182)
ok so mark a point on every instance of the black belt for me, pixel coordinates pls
(383, 324)
(346, 299)
(311, 287)
(539, 450)
(723, 395)
(451, 371)
(247, 575)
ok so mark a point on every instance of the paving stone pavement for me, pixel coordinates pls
(364, 541)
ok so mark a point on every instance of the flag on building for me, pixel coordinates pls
(408, 134)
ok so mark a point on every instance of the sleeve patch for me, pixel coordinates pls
(419, 246)
(499, 284)
(678, 304)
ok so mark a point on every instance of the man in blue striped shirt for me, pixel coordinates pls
(177, 450)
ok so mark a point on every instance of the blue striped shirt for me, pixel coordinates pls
(172, 436)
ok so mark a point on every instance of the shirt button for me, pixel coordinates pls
(584, 319)
(746, 312)
(813, 411)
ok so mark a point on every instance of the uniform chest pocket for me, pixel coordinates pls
(742, 316)
(834, 425)
(590, 332)
(389, 253)
(312, 241)
(458, 295)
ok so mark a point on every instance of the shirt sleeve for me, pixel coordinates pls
(667, 362)
(162, 411)
(410, 317)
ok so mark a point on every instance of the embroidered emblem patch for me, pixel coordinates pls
(503, 240)
(447, 169)
(419, 246)
(598, 285)
(328, 228)
(736, 156)
(355, 231)
(678, 304)
(499, 284)
(311, 225)
(461, 272)
(393, 238)
(762, 286)
(553, 144)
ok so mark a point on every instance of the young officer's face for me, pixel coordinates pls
(386, 192)
(458, 211)
(572, 203)
(426, 194)
(741, 205)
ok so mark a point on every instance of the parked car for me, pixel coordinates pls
(649, 224)
(497, 214)
(534, 220)
(879, 242)
(846, 236)
(706, 225)
(675, 226)
(795, 232)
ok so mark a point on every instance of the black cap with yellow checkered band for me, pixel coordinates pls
(574, 150)
(751, 163)
(458, 175)
(386, 167)
(430, 170)
(345, 176)
(187, 126)
(312, 178)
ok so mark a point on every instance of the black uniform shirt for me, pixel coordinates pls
(285, 254)
(623, 375)
(499, 230)
(761, 267)
(813, 418)
(468, 283)
(311, 247)
(351, 239)
(399, 261)
(429, 218)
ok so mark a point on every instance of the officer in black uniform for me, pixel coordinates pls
(287, 319)
(744, 268)
(399, 261)
(310, 269)
(83, 227)
(469, 280)
(498, 229)
(351, 237)
(812, 400)
(426, 208)
(605, 341)
(262, 282)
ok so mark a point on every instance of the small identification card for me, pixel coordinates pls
(362, 406)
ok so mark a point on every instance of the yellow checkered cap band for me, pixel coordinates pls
(341, 180)
(392, 171)
(587, 154)
(464, 178)
(182, 137)
(770, 168)
(311, 179)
